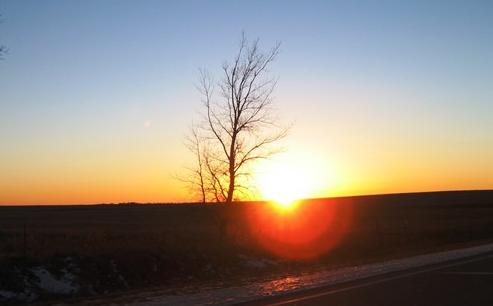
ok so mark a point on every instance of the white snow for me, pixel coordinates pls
(6, 294)
(24, 296)
(48, 282)
(226, 296)
(256, 263)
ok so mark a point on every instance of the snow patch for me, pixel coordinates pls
(7, 294)
(294, 283)
(24, 296)
(256, 263)
(49, 283)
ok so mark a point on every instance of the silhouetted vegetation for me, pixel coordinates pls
(239, 125)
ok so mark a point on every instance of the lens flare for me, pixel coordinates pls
(303, 231)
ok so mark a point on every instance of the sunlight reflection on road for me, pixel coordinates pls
(279, 285)
(257, 290)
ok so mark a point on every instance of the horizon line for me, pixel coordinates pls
(249, 201)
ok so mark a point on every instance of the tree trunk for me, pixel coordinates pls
(232, 174)
(231, 189)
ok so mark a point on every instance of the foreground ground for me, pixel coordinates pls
(323, 287)
(464, 282)
(76, 252)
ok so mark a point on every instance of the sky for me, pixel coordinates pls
(96, 97)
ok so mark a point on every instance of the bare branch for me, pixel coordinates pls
(239, 127)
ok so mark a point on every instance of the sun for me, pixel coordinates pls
(283, 186)
(289, 180)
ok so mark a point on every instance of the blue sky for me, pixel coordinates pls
(92, 76)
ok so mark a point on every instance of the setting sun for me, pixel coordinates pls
(285, 184)
(289, 179)
(231, 152)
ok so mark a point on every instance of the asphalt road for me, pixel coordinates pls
(465, 282)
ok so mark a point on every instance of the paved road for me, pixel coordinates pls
(465, 282)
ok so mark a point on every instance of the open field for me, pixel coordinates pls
(101, 249)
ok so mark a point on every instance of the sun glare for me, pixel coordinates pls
(290, 179)
(284, 186)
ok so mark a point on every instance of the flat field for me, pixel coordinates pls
(117, 247)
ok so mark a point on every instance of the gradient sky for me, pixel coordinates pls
(385, 96)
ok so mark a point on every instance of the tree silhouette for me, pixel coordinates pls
(239, 125)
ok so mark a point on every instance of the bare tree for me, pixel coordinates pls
(197, 176)
(239, 126)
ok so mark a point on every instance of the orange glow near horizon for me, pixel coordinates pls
(143, 175)
(304, 231)
(85, 122)
(292, 177)
(286, 205)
